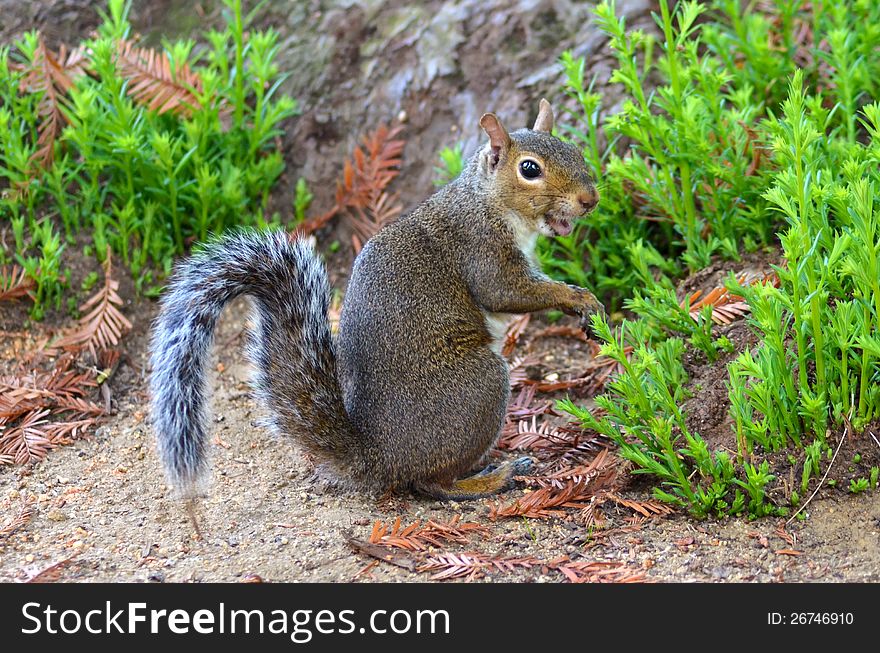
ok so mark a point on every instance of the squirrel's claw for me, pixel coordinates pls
(590, 306)
(586, 321)
(523, 466)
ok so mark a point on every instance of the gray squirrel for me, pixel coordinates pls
(412, 393)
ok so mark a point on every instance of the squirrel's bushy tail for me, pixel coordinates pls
(291, 347)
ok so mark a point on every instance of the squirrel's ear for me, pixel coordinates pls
(499, 139)
(544, 121)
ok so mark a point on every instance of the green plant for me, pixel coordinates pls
(691, 180)
(757, 478)
(729, 147)
(301, 201)
(642, 415)
(144, 149)
(831, 277)
(657, 304)
(451, 164)
(44, 267)
(530, 531)
(858, 485)
(813, 454)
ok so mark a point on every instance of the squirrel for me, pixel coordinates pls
(412, 393)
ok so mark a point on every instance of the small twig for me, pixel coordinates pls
(827, 471)
(221, 443)
(378, 552)
(191, 511)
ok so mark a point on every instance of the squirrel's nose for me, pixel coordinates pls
(588, 200)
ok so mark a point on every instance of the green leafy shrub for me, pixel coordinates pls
(730, 147)
(823, 320)
(641, 413)
(145, 150)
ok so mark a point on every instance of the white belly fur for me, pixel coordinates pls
(526, 240)
(496, 325)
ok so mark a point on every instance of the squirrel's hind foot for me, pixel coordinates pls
(492, 480)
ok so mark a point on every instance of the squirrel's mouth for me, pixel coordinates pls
(560, 226)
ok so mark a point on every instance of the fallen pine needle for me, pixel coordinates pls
(396, 558)
(51, 573)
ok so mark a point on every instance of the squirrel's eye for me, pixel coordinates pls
(530, 169)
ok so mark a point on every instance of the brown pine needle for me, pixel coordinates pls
(52, 573)
(51, 75)
(789, 552)
(726, 307)
(568, 444)
(648, 508)
(529, 436)
(514, 331)
(16, 522)
(60, 389)
(361, 190)
(561, 332)
(517, 370)
(521, 408)
(419, 537)
(41, 410)
(27, 441)
(156, 82)
(103, 324)
(571, 488)
(382, 553)
(471, 566)
(14, 283)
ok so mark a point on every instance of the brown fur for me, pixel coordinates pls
(419, 373)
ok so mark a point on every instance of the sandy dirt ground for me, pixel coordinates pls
(102, 504)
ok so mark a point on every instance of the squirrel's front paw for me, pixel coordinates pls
(586, 308)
